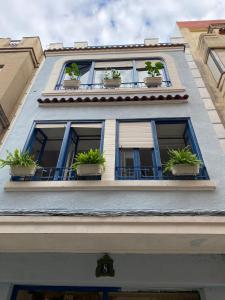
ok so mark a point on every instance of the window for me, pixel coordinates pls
(55, 146)
(142, 148)
(216, 63)
(84, 68)
(132, 73)
(142, 73)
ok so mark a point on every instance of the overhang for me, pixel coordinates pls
(126, 234)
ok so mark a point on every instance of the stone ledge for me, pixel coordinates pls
(120, 185)
(116, 91)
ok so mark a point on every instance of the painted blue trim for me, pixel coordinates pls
(161, 120)
(134, 74)
(196, 148)
(91, 74)
(156, 152)
(102, 137)
(42, 288)
(30, 139)
(63, 150)
(42, 146)
(117, 151)
(65, 121)
(137, 163)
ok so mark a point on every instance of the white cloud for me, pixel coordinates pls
(101, 21)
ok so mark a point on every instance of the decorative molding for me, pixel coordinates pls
(110, 185)
(113, 99)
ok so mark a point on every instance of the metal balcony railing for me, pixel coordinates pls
(134, 84)
(54, 174)
(122, 173)
(152, 173)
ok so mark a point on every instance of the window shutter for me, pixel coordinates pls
(45, 126)
(135, 135)
(140, 64)
(90, 125)
(113, 64)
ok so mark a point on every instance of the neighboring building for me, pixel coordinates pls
(18, 61)
(164, 233)
(207, 45)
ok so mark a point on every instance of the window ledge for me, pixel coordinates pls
(116, 91)
(120, 185)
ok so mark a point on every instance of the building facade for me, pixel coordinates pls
(135, 231)
(18, 62)
(206, 40)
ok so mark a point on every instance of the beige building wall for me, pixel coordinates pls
(18, 61)
(201, 38)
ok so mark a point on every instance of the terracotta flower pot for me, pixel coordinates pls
(89, 170)
(22, 171)
(185, 169)
(153, 81)
(112, 83)
(73, 84)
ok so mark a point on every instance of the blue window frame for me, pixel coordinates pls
(148, 163)
(132, 72)
(40, 291)
(55, 144)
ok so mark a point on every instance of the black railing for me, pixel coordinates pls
(136, 84)
(151, 173)
(122, 173)
(54, 174)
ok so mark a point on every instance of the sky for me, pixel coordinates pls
(101, 22)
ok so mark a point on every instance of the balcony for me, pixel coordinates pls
(124, 85)
(151, 173)
(54, 174)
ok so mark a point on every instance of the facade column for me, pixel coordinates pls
(5, 291)
(214, 293)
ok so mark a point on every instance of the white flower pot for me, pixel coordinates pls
(89, 170)
(112, 83)
(22, 171)
(153, 81)
(185, 169)
(71, 84)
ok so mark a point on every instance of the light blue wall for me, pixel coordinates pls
(204, 273)
(116, 200)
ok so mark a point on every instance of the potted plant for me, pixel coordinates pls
(154, 79)
(182, 162)
(21, 163)
(112, 79)
(90, 163)
(73, 72)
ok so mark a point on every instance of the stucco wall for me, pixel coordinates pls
(126, 200)
(203, 273)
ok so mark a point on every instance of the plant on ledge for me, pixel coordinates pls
(112, 79)
(154, 79)
(182, 162)
(73, 72)
(90, 163)
(21, 163)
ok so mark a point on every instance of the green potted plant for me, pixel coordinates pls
(154, 79)
(73, 72)
(182, 162)
(112, 79)
(90, 163)
(21, 163)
